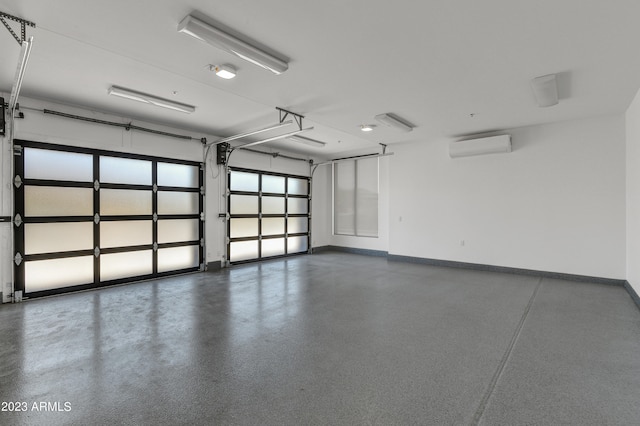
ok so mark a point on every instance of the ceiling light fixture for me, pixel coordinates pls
(225, 71)
(150, 99)
(222, 40)
(308, 141)
(545, 90)
(367, 127)
(392, 120)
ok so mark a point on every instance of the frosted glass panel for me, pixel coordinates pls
(178, 202)
(344, 197)
(55, 273)
(297, 244)
(273, 247)
(298, 186)
(172, 259)
(178, 175)
(126, 233)
(273, 184)
(244, 228)
(57, 165)
(56, 237)
(125, 202)
(243, 250)
(297, 205)
(272, 226)
(177, 230)
(125, 265)
(273, 205)
(367, 198)
(125, 170)
(242, 181)
(244, 204)
(297, 225)
(57, 201)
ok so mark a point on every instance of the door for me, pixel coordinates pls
(268, 215)
(86, 218)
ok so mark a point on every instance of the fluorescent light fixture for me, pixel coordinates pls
(225, 71)
(25, 51)
(545, 90)
(367, 127)
(392, 120)
(275, 138)
(150, 99)
(308, 141)
(220, 39)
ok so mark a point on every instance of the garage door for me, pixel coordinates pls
(86, 218)
(268, 215)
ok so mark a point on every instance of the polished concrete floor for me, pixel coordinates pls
(330, 338)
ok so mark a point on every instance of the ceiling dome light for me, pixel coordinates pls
(225, 71)
(367, 127)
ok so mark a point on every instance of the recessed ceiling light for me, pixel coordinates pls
(367, 127)
(225, 71)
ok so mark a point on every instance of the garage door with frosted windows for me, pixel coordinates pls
(86, 218)
(268, 215)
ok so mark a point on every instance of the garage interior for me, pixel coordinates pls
(319, 213)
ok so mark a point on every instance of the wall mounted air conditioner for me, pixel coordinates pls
(491, 145)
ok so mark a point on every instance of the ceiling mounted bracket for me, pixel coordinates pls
(23, 24)
(284, 114)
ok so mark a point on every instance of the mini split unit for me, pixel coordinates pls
(490, 145)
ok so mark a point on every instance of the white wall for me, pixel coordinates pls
(633, 193)
(556, 203)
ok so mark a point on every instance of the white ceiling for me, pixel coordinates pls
(434, 63)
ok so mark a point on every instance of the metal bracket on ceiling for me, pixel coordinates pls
(284, 114)
(384, 148)
(23, 23)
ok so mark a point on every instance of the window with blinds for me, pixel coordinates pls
(355, 197)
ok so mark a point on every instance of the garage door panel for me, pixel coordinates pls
(97, 217)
